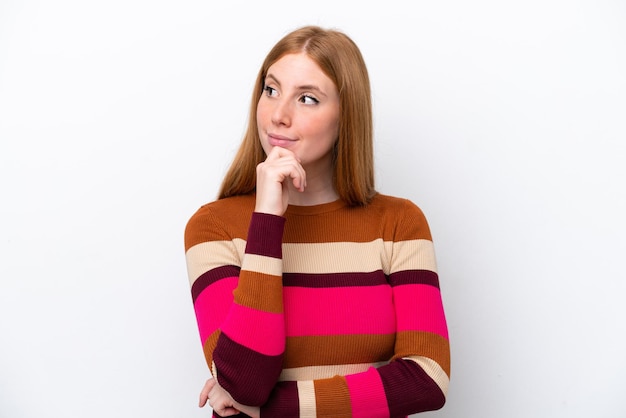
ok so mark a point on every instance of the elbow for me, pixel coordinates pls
(436, 399)
(251, 392)
(248, 379)
(439, 402)
(431, 400)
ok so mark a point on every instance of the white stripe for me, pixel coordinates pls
(209, 255)
(324, 372)
(347, 257)
(306, 396)
(333, 257)
(418, 254)
(263, 264)
(318, 258)
(434, 370)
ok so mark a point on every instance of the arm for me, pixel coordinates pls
(222, 403)
(239, 308)
(238, 304)
(416, 378)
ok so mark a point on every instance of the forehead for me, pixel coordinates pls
(299, 69)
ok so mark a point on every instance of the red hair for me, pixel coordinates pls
(353, 156)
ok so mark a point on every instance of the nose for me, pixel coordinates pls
(282, 113)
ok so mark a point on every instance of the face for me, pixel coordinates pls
(299, 110)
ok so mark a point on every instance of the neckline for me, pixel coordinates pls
(315, 209)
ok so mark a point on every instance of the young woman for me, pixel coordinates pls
(315, 295)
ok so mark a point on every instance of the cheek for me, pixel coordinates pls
(260, 127)
(329, 129)
(264, 110)
(323, 127)
(259, 113)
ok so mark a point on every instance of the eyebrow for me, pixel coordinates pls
(300, 88)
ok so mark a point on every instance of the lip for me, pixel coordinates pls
(279, 140)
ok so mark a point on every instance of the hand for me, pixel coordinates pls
(222, 403)
(220, 400)
(272, 177)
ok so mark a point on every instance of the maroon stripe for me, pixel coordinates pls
(265, 235)
(283, 401)
(405, 376)
(211, 276)
(414, 277)
(374, 278)
(247, 375)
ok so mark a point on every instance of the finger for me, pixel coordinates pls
(279, 152)
(204, 393)
(227, 412)
(299, 181)
(294, 170)
(283, 168)
(223, 408)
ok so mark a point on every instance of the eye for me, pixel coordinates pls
(269, 91)
(308, 99)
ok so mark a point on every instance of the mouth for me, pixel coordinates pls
(280, 141)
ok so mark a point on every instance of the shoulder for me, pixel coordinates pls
(408, 218)
(394, 204)
(223, 219)
(236, 205)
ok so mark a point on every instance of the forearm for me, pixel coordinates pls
(395, 390)
(237, 294)
(248, 355)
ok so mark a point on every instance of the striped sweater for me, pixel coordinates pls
(327, 311)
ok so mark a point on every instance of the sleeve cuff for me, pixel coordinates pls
(265, 235)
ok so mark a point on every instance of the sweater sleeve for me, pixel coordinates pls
(416, 377)
(238, 302)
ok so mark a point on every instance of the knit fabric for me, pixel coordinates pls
(327, 311)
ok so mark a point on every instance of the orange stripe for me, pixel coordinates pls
(333, 398)
(229, 218)
(337, 349)
(209, 345)
(220, 220)
(261, 292)
(412, 343)
(361, 224)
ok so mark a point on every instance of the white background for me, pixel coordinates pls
(504, 121)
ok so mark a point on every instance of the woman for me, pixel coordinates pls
(314, 294)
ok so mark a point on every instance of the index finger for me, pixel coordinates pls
(279, 152)
(204, 393)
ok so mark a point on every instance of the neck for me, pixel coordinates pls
(319, 189)
(312, 197)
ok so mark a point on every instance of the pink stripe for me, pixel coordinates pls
(345, 310)
(263, 332)
(367, 394)
(420, 308)
(212, 305)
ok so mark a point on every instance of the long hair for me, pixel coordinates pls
(353, 156)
